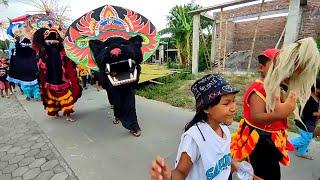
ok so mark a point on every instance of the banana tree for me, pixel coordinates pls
(180, 26)
(181, 29)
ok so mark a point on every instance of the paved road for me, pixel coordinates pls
(97, 149)
(25, 151)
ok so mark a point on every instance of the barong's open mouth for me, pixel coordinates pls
(122, 72)
(48, 42)
(51, 36)
(25, 42)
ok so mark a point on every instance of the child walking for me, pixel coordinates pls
(4, 84)
(204, 150)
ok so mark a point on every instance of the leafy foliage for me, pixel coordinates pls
(4, 2)
(180, 24)
(4, 44)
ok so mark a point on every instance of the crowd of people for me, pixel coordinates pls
(86, 77)
(6, 88)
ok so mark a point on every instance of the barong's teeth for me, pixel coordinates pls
(26, 44)
(131, 76)
(115, 79)
(130, 62)
(108, 67)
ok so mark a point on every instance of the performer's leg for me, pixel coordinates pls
(11, 89)
(2, 87)
(13, 86)
(84, 81)
(27, 90)
(265, 159)
(67, 104)
(52, 108)
(36, 92)
(97, 86)
(128, 111)
(297, 142)
(116, 104)
(306, 138)
(6, 88)
(110, 93)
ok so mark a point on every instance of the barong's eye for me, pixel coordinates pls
(146, 40)
(46, 33)
(82, 43)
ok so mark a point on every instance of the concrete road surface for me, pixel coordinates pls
(97, 149)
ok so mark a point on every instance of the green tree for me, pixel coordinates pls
(4, 2)
(4, 44)
(180, 26)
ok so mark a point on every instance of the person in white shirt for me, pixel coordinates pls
(204, 150)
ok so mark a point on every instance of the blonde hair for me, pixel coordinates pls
(302, 54)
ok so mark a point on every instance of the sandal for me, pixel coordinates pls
(116, 121)
(136, 133)
(70, 119)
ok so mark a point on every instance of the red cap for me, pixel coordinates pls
(270, 53)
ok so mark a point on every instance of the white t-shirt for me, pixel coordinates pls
(211, 158)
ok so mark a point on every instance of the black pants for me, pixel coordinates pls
(265, 158)
(109, 90)
(84, 81)
(124, 107)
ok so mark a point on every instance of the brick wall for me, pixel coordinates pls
(310, 23)
(253, 9)
(240, 35)
(269, 32)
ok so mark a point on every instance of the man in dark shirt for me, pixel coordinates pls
(310, 115)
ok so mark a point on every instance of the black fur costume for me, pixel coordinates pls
(118, 60)
(59, 85)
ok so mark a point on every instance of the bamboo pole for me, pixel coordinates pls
(225, 45)
(282, 34)
(206, 52)
(254, 37)
(213, 44)
(220, 40)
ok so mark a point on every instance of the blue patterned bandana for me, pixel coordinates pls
(208, 88)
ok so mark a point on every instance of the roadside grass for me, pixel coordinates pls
(175, 89)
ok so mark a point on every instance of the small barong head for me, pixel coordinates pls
(297, 64)
(15, 30)
(45, 37)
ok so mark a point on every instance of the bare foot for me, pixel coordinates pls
(70, 119)
(116, 121)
